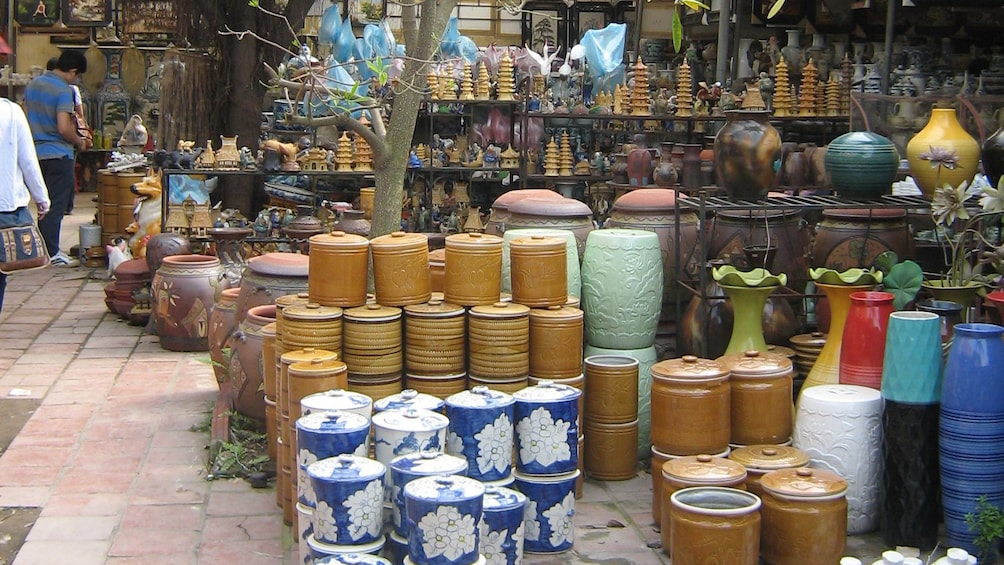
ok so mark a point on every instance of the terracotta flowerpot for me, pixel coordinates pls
(184, 290)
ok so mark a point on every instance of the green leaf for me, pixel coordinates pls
(775, 9)
(695, 5)
(903, 281)
(886, 260)
(677, 31)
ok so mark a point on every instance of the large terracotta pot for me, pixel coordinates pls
(270, 276)
(184, 291)
(222, 322)
(847, 239)
(746, 149)
(246, 362)
(564, 214)
(499, 219)
(734, 231)
(943, 131)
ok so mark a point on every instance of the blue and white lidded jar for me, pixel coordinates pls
(321, 550)
(352, 559)
(326, 434)
(349, 507)
(481, 431)
(400, 432)
(547, 522)
(407, 468)
(337, 399)
(502, 526)
(305, 530)
(409, 398)
(444, 513)
(547, 432)
(397, 548)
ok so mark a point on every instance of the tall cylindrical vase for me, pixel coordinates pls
(863, 343)
(911, 388)
(943, 131)
(747, 307)
(826, 370)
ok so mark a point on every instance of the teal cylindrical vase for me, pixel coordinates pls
(747, 307)
(621, 288)
(912, 365)
(646, 357)
(861, 164)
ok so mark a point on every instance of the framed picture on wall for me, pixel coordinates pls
(545, 22)
(587, 16)
(36, 12)
(87, 12)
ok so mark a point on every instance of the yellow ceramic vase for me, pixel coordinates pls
(826, 370)
(943, 131)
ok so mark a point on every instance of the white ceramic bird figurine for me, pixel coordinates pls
(542, 62)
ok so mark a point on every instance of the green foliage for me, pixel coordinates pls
(678, 23)
(987, 522)
(245, 453)
(902, 278)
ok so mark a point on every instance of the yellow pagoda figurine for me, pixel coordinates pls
(363, 156)
(551, 159)
(684, 89)
(782, 97)
(565, 161)
(639, 95)
(467, 83)
(483, 87)
(433, 79)
(807, 90)
(505, 81)
(343, 154)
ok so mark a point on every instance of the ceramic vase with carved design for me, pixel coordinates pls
(943, 131)
(184, 291)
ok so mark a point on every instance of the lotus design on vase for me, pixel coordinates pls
(542, 439)
(365, 508)
(492, 545)
(495, 445)
(559, 519)
(530, 524)
(304, 458)
(325, 526)
(447, 532)
(454, 444)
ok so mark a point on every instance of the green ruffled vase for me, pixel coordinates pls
(748, 292)
(961, 294)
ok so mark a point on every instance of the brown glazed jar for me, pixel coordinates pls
(692, 471)
(762, 459)
(371, 341)
(556, 342)
(721, 525)
(435, 339)
(498, 338)
(539, 271)
(848, 239)
(287, 359)
(761, 397)
(308, 377)
(804, 517)
(437, 270)
(340, 263)
(610, 450)
(658, 460)
(401, 268)
(312, 325)
(690, 406)
(474, 276)
(612, 382)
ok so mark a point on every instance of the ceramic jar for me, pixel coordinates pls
(538, 271)
(309, 377)
(612, 381)
(245, 367)
(270, 276)
(349, 493)
(862, 347)
(474, 269)
(408, 398)
(498, 342)
(565, 213)
(547, 433)
(735, 231)
(399, 432)
(762, 459)
(610, 450)
(646, 357)
(312, 325)
(341, 262)
(548, 525)
(639, 167)
(337, 399)
(371, 341)
(498, 221)
(658, 460)
(435, 339)
(401, 268)
(622, 288)
(690, 406)
(573, 282)
(353, 222)
(327, 434)
(288, 359)
(184, 290)
(692, 471)
(222, 323)
(861, 164)
(556, 342)
(444, 513)
(721, 525)
(745, 151)
(847, 239)
(352, 559)
(943, 131)
(502, 526)
(319, 551)
(481, 431)
(407, 468)
(803, 517)
(761, 397)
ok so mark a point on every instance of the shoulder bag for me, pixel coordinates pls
(21, 244)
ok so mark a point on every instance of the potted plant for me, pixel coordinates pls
(987, 522)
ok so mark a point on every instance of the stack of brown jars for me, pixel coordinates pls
(611, 417)
(435, 348)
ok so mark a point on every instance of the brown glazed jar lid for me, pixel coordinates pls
(814, 340)
(804, 483)
(372, 312)
(781, 350)
(647, 200)
(769, 457)
(538, 242)
(473, 240)
(317, 367)
(308, 354)
(339, 239)
(865, 213)
(753, 363)
(689, 368)
(311, 311)
(703, 469)
(434, 309)
(400, 240)
(500, 310)
(280, 264)
(556, 313)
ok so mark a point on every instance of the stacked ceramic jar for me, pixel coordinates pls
(435, 347)
(611, 417)
(405, 469)
(348, 517)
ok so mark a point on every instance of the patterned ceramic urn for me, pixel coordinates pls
(444, 513)
(349, 500)
(327, 434)
(400, 432)
(548, 526)
(547, 432)
(407, 468)
(409, 398)
(502, 526)
(481, 431)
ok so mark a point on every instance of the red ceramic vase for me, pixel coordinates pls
(863, 347)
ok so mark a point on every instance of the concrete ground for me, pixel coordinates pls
(109, 460)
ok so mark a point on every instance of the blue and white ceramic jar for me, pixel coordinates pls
(444, 513)
(547, 432)
(349, 507)
(320, 550)
(400, 432)
(409, 398)
(337, 399)
(407, 468)
(547, 522)
(305, 530)
(481, 431)
(502, 526)
(352, 559)
(326, 434)
(397, 548)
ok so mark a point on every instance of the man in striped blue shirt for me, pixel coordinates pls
(48, 102)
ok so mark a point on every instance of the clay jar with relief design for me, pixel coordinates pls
(184, 291)
(690, 406)
(804, 515)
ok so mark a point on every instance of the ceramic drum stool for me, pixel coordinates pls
(547, 433)
(326, 434)
(444, 513)
(502, 526)
(407, 468)
(481, 431)
(548, 525)
(840, 428)
(349, 509)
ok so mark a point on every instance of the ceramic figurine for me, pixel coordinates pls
(467, 83)
(363, 155)
(565, 156)
(807, 92)
(505, 80)
(684, 87)
(551, 159)
(228, 157)
(134, 136)
(483, 87)
(207, 159)
(343, 154)
(782, 99)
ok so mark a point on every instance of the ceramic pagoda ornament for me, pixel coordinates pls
(782, 94)
(509, 158)
(820, 98)
(684, 88)
(467, 83)
(846, 74)
(618, 100)
(343, 154)
(315, 159)
(603, 100)
(807, 91)
(753, 100)
(422, 152)
(505, 82)
(474, 223)
(483, 87)
(565, 161)
(460, 194)
(228, 156)
(640, 102)
(363, 155)
(833, 97)
(551, 159)
(433, 80)
(448, 84)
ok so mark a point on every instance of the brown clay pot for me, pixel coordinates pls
(761, 403)
(693, 471)
(184, 290)
(312, 325)
(612, 382)
(222, 323)
(610, 450)
(722, 525)
(401, 268)
(690, 406)
(566, 214)
(270, 276)
(498, 221)
(804, 516)
(435, 339)
(848, 239)
(371, 341)
(499, 342)
(639, 167)
(340, 263)
(734, 230)
(762, 459)
(246, 362)
(437, 270)
(556, 342)
(308, 377)
(539, 270)
(658, 460)
(474, 275)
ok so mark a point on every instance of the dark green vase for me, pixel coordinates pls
(861, 164)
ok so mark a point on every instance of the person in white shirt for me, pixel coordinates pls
(20, 175)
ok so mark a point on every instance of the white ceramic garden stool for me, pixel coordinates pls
(840, 428)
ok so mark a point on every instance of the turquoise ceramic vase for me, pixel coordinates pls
(912, 365)
(861, 164)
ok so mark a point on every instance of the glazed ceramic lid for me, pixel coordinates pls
(560, 207)
(317, 367)
(753, 364)
(547, 391)
(352, 559)
(804, 482)
(507, 199)
(769, 457)
(689, 368)
(780, 350)
(280, 264)
(429, 463)
(268, 329)
(480, 397)
(546, 479)
(814, 340)
(473, 241)
(332, 422)
(538, 242)
(500, 310)
(336, 399)
(703, 469)
(647, 200)
(287, 300)
(401, 241)
(434, 309)
(339, 239)
(501, 498)
(311, 311)
(410, 420)
(556, 313)
(372, 312)
(346, 467)
(408, 398)
(444, 489)
(307, 354)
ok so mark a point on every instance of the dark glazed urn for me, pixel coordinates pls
(165, 245)
(992, 155)
(747, 154)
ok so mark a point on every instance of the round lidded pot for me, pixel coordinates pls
(409, 398)
(691, 406)
(270, 276)
(502, 525)
(340, 261)
(399, 432)
(337, 399)
(185, 288)
(549, 525)
(481, 431)
(371, 341)
(444, 513)
(761, 401)
(612, 381)
(349, 499)
(655, 470)
(499, 342)
(498, 221)
(804, 516)
(538, 271)
(309, 377)
(573, 272)
(556, 342)
(312, 325)
(547, 432)
(722, 525)
(401, 268)
(562, 213)
(437, 270)
(693, 471)
(474, 271)
(762, 459)
(435, 339)
(327, 434)
(407, 468)
(861, 164)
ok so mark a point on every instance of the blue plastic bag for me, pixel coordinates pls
(604, 48)
(331, 23)
(341, 49)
